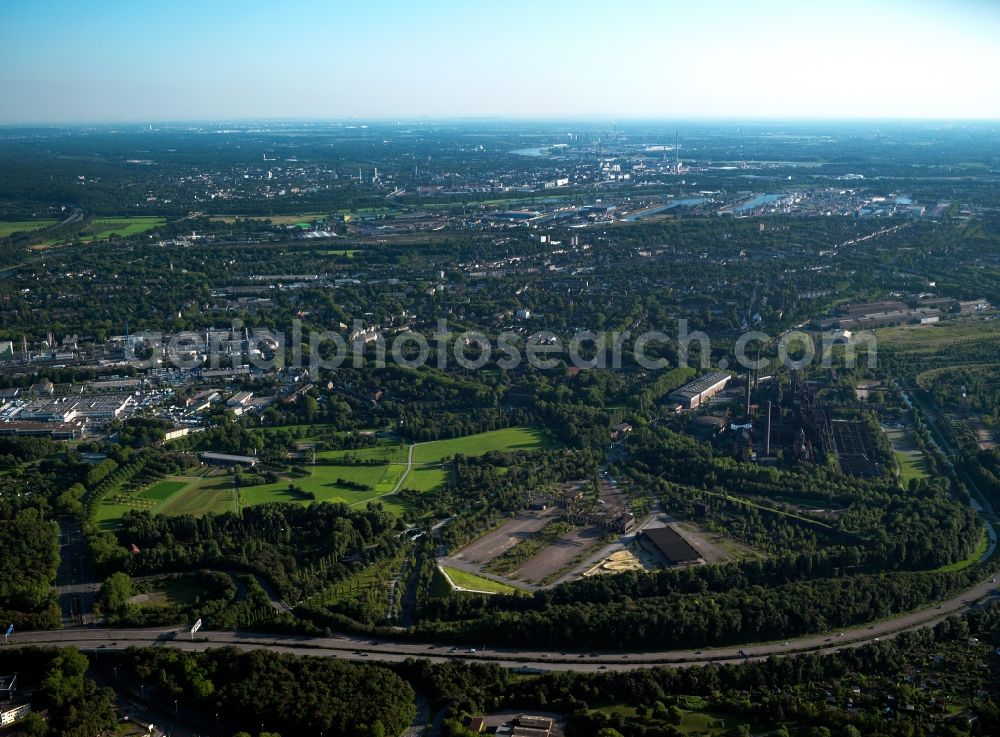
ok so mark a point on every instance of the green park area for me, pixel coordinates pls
(933, 337)
(172, 591)
(352, 477)
(508, 439)
(174, 495)
(472, 582)
(9, 227)
(103, 228)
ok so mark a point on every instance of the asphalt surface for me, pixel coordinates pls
(359, 648)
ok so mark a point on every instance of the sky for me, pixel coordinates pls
(165, 60)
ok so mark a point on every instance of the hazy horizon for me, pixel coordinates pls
(116, 62)
(603, 121)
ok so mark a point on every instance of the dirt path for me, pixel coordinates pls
(409, 467)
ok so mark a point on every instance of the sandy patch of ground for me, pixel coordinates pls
(619, 561)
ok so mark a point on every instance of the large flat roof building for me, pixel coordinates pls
(225, 459)
(697, 392)
(674, 548)
(57, 430)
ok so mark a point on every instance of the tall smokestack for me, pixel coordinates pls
(749, 379)
(767, 436)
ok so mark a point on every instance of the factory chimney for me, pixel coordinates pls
(767, 436)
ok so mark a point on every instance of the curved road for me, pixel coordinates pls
(352, 647)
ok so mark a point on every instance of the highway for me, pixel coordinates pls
(364, 648)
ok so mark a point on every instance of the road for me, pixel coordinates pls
(352, 647)
(419, 724)
(76, 588)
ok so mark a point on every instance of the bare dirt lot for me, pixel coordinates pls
(568, 555)
(506, 536)
(715, 548)
(984, 436)
(553, 558)
(702, 541)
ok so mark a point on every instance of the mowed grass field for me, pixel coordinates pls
(323, 481)
(198, 499)
(510, 438)
(472, 582)
(384, 453)
(425, 478)
(103, 228)
(927, 338)
(163, 490)
(173, 495)
(8, 227)
(911, 466)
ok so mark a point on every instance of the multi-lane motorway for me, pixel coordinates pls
(352, 647)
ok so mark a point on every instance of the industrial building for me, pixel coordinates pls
(526, 725)
(697, 392)
(55, 430)
(67, 409)
(225, 459)
(239, 399)
(878, 314)
(671, 545)
(10, 713)
(103, 407)
(972, 305)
